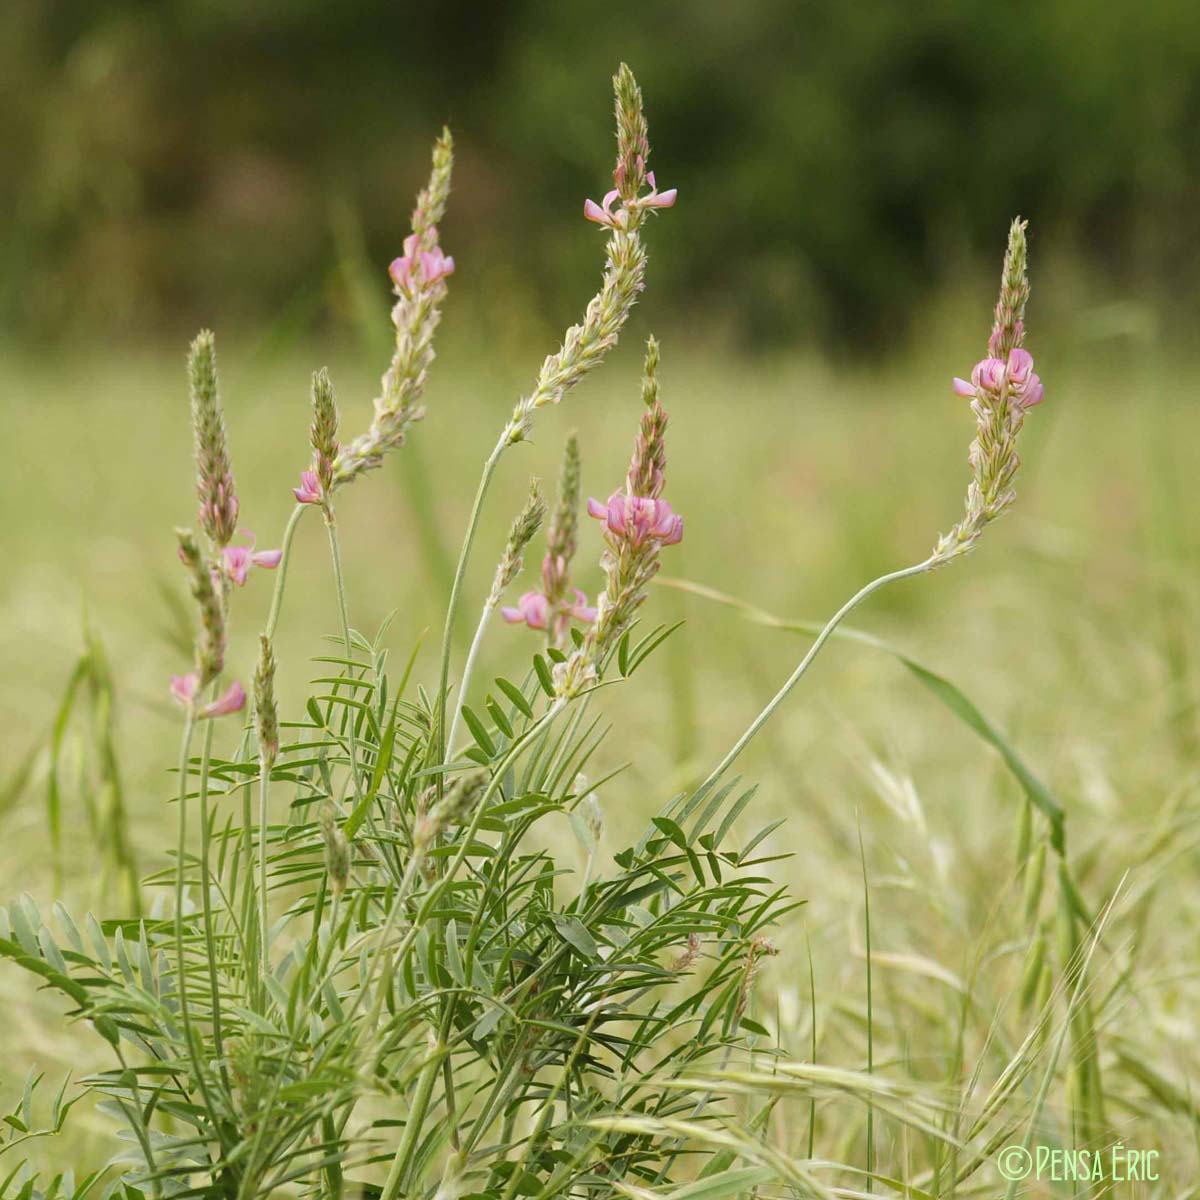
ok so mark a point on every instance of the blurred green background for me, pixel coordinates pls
(171, 163)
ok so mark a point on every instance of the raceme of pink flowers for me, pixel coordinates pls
(636, 518)
(419, 266)
(602, 214)
(534, 610)
(185, 687)
(990, 374)
(309, 491)
(237, 560)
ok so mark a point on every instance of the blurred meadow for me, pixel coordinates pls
(846, 176)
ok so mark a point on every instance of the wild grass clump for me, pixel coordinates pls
(366, 972)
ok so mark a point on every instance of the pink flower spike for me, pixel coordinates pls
(309, 491)
(964, 387)
(232, 700)
(185, 687)
(533, 609)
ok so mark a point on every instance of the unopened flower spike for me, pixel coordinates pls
(1002, 388)
(525, 525)
(210, 643)
(337, 851)
(562, 534)
(317, 484)
(266, 714)
(215, 489)
(419, 279)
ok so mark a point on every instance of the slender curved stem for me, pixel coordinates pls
(489, 469)
(779, 697)
(472, 654)
(281, 572)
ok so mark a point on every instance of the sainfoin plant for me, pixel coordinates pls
(364, 973)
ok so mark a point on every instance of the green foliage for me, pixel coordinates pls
(855, 154)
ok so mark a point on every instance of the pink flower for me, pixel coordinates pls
(658, 199)
(990, 375)
(1032, 393)
(232, 700)
(636, 518)
(237, 560)
(603, 215)
(416, 267)
(185, 687)
(581, 610)
(533, 609)
(309, 491)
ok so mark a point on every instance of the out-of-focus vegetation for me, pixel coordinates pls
(164, 163)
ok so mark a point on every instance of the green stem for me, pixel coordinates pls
(185, 1012)
(416, 1119)
(281, 571)
(210, 947)
(472, 654)
(489, 469)
(264, 787)
(779, 697)
(343, 611)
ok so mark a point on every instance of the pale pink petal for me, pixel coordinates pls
(266, 558)
(964, 387)
(232, 700)
(675, 535)
(1020, 364)
(399, 270)
(662, 199)
(1034, 392)
(596, 509)
(536, 608)
(514, 616)
(448, 264)
(650, 180)
(236, 560)
(609, 197)
(184, 687)
(594, 212)
(309, 491)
